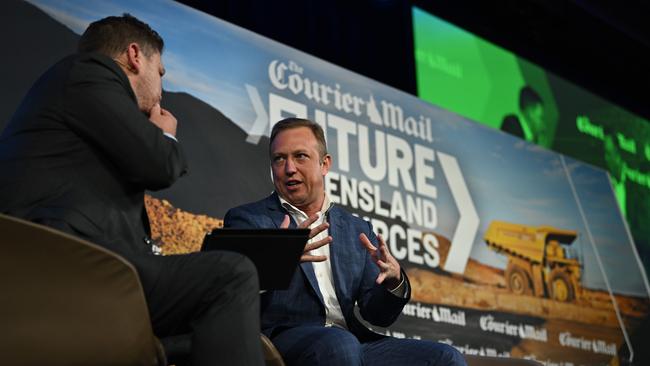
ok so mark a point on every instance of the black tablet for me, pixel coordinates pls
(275, 252)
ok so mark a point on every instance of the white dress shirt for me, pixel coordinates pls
(322, 270)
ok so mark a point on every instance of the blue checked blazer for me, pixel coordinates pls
(354, 275)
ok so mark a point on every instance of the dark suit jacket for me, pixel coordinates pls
(353, 271)
(78, 155)
(512, 125)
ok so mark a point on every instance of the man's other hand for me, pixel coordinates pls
(163, 119)
(389, 270)
(306, 255)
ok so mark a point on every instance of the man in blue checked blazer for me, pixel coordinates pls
(344, 263)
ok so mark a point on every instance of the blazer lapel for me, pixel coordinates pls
(338, 254)
(308, 270)
(277, 212)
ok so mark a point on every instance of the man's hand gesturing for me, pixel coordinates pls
(390, 273)
(306, 256)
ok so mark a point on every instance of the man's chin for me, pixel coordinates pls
(293, 198)
(146, 109)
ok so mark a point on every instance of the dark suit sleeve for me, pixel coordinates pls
(238, 218)
(377, 305)
(100, 107)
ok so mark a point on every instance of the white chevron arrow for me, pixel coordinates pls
(262, 118)
(463, 239)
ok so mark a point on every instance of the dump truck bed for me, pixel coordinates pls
(526, 242)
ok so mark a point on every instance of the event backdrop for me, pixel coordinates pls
(512, 250)
(488, 84)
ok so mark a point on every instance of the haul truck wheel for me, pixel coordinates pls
(518, 281)
(560, 287)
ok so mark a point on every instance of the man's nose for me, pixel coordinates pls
(289, 166)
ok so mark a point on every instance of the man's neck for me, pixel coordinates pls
(313, 208)
(528, 131)
(309, 209)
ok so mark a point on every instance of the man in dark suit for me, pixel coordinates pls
(86, 142)
(344, 263)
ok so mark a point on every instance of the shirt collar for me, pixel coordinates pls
(327, 205)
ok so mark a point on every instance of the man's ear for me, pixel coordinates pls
(325, 164)
(134, 57)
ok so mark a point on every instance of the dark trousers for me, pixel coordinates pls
(214, 296)
(333, 346)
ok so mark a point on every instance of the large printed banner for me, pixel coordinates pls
(512, 250)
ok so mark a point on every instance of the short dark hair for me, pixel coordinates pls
(527, 97)
(289, 123)
(112, 35)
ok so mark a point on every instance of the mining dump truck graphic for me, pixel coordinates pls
(538, 262)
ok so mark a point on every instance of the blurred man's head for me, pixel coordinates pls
(299, 162)
(136, 48)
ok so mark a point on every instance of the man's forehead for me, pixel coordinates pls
(292, 148)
